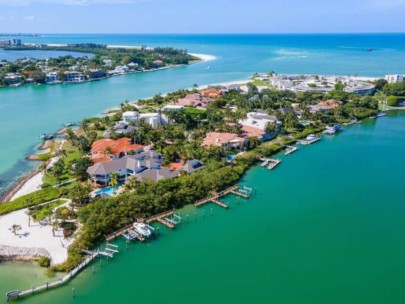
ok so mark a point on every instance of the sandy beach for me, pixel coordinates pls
(31, 185)
(34, 183)
(35, 237)
(204, 57)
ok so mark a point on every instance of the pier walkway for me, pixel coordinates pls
(273, 163)
(243, 192)
(91, 256)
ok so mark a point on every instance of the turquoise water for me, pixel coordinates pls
(13, 55)
(326, 226)
(26, 112)
(108, 190)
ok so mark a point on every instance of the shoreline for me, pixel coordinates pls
(204, 58)
(32, 240)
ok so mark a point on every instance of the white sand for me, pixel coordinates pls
(135, 47)
(34, 183)
(31, 185)
(204, 57)
(35, 236)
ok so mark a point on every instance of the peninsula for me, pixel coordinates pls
(165, 152)
(102, 61)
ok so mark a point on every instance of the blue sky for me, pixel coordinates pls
(201, 16)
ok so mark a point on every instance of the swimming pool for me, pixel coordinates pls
(110, 191)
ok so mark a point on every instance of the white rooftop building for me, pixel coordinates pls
(395, 78)
(258, 120)
(154, 119)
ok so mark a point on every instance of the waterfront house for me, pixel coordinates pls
(121, 69)
(12, 79)
(97, 74)
(125, 167)
(73, 76)
(224, 140)
(154, 119)
(52, 77)
(104, 150)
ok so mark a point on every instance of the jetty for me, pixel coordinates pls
(109, 251)
(128, 232)
(273, 163)
(290, 149)
(167, 218)
(243, 192)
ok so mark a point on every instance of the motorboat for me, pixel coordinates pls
(142, 229)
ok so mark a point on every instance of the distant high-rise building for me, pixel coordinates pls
(395, 78)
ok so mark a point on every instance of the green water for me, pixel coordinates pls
(326, 226)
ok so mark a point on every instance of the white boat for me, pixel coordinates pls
(382, 113)
(142, 229)
(310, 139)
(329, 131)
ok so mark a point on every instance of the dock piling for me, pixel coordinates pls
(211, 212)
(187, 218)
(73, 293)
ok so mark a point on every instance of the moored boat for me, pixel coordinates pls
(142, 229)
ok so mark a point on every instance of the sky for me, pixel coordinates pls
(201, 16)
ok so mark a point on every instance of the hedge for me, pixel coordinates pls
(32, 199)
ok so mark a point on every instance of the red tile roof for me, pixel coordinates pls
(219, 138)
(122, 145)
(252, 131)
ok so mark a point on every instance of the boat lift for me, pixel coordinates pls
(173, 219)
(245, 190)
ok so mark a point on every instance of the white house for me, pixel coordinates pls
(121, 69)
(154, 119)
(52, 77)
(74, 76)
(255, 124)
(394, 78)
(258, 120)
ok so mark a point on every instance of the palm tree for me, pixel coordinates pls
(108, 151)
(113, 180)
(15, 228)
(131, 183)
(43, 166)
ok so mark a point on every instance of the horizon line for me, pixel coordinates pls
(200, 33)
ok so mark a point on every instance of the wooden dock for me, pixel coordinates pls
(245, 193)
(273, 163)
(163, 221)
(17, 294)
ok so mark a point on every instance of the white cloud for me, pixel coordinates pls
(68, 2)
(28, 18)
